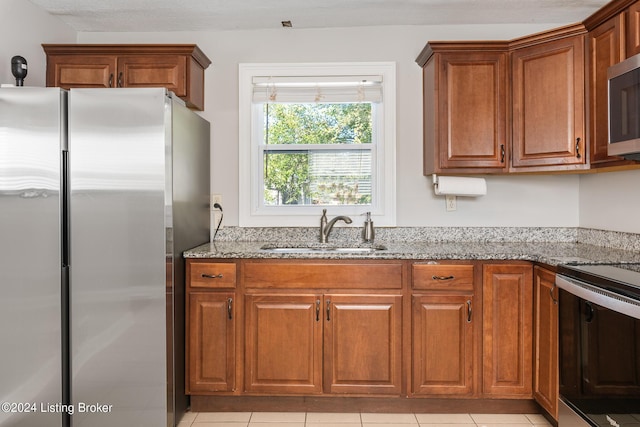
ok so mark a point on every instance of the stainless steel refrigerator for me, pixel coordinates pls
(101, 190)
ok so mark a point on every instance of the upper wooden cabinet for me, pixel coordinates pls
(548, 104)
(179, 68)
(547, 112)
(465, 108)
(633, 29)
(496, 107)
(608, 43)
(605, 45)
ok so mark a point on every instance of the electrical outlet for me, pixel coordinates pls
(216, 198)
(451, 203)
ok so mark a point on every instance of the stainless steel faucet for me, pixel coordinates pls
(326, 227)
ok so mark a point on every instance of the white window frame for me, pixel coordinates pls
(251, 211)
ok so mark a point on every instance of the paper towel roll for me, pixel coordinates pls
(459, 186)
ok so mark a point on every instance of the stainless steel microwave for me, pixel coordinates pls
(624, 108)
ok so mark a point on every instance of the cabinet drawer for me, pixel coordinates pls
(443, 276)
(335, 275)
(212, 275)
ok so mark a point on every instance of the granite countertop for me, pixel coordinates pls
(550, 253)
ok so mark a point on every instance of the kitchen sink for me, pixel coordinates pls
(288, 249)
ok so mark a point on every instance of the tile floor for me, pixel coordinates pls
(317, 419)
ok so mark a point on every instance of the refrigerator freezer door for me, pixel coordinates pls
(32, 131)
(118, 174)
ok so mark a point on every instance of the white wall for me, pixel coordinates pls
(23, 28)
(611, 201)
(511, 201)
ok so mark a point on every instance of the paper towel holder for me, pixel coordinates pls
(476, 182)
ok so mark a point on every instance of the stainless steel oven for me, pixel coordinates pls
(599, 360)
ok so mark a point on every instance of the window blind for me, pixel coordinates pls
(322, 89)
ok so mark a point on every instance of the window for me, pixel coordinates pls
(316, 136)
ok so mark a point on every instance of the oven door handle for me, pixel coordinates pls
(590, 312)
(599, 296)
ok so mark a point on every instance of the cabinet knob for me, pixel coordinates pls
(578, 148)
(111, 80)
(502, 153)
(328, 310)
(120, 79)
(469, 312)
(230, 308)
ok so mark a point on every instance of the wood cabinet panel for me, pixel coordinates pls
(606, 48)
(442, 277)
(442, 338)
(211, 342)
(469, 112)
(211, 274)
(363, 344)
(548, 104)
(633, 30)
(545, 371)
(89, 71)
(507, 329)
(326, 274)
(154, 71)
(283, 339)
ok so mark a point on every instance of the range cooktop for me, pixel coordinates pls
(622, 279)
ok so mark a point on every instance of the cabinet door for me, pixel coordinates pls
(548, 104)
(507, 329)
(154, 71)
(606, 48)
(81, 71)
(442, 345)
(283, 338)
(211, 342)
(363, 344)
(471, 110)
(545, 379)
(633, 29)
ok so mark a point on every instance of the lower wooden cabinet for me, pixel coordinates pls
(545, 368)
(211, 342)
(507, 342)
(443, 342)
(363, 344)
(324, 343)
(445, 330)
(211, 326)
(283, 344)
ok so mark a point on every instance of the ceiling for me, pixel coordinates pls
(216, 15)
